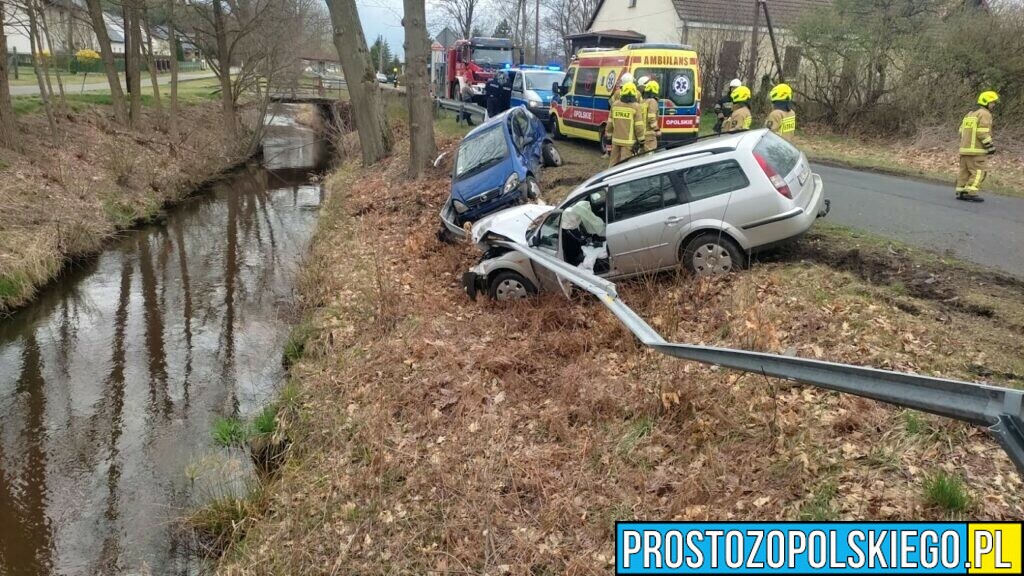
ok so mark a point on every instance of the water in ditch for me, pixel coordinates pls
(110, 382)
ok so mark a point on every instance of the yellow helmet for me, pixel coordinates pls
(987, 97)
(652, 87)
(629, 89)
(781, 92)
(740, 94)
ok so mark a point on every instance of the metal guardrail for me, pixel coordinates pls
(461, 107)
(999, 409)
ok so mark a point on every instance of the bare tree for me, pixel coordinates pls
(567, 17)
(99, 27)
(172, 41)
(460, 13)
(422, 146)
(39, 57)
(8, 126)
(147, 50)
(374, 132)
(132, 56)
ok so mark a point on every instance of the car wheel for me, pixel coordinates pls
(509, 285)
(532, 188)
(556, 132)
(712, 253)
(551, 155)
(606, 147)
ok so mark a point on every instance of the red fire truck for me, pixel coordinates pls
(475, 61)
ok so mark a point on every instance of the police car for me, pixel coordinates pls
(529, 86)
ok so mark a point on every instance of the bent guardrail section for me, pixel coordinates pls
(999, 409)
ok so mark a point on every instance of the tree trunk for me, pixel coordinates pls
(150, 61)
(172, 39)
(422, 147)
(364, 93)
(37, 47)
(132, 58)
(53, 54)
(224, 64)
(754, 40)
(69, 42)
(99, 28)
(8, 126)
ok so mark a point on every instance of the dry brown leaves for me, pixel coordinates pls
(471, 437)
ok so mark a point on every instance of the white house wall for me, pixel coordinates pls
(16, 29)
(655, 19)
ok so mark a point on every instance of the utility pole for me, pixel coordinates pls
(15, 60)
(752, 58)
(380, 53)
(536, 34)
(771, 34)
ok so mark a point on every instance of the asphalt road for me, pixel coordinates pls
(71, 86)
(927, 215)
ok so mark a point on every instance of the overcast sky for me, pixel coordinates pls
(383, 18)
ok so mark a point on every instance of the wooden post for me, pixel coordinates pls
(752, 58)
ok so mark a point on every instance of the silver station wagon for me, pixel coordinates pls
(706, 207)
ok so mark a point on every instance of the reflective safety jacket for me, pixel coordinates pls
(782, 122)
(976, 133)
(626, 125)
(739, 120)
(651, 107)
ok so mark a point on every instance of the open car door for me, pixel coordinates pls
(548, 239)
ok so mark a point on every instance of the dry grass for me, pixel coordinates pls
(932, 155)
(436, 434)
(63, 202)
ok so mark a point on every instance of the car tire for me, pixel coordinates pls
(712, 253)
(603, 142)
(531, 190)
(551, 156)
(556, 132)
(508, 285)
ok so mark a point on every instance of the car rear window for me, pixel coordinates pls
(713, 179)
(676, 83)
(779, 154)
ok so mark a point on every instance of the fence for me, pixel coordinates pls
(68, 64)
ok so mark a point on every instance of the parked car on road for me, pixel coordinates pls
(381, 78)
(705, 207)
(496, 166)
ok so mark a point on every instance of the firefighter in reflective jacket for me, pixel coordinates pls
(651, 89)
(782, 119)
(975, 146)
(740, 118)
(626, 125)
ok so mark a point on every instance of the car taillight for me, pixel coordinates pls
(778, 181)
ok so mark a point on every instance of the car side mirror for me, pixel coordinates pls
(556, 88)
(532, 241)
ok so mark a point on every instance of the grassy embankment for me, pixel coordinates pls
(63, 201)
(930, 156)
(432, 433)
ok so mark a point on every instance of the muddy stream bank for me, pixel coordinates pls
(111, 380)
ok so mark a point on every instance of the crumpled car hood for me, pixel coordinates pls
(510, 223)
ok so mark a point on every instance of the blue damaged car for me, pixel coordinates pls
(496, 166)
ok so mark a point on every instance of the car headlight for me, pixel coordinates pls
(460, 207)
(511, 183)
(534, 103)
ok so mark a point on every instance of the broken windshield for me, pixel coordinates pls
(481, 151)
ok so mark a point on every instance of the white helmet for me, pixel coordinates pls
(643, 80)
(626, 77)
(735, 83)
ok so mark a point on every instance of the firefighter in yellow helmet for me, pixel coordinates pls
(626, 125)
(975, 146)
(651, 90)
(740, 118)
(782, 119)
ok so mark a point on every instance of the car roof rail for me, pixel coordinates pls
(628, 165)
